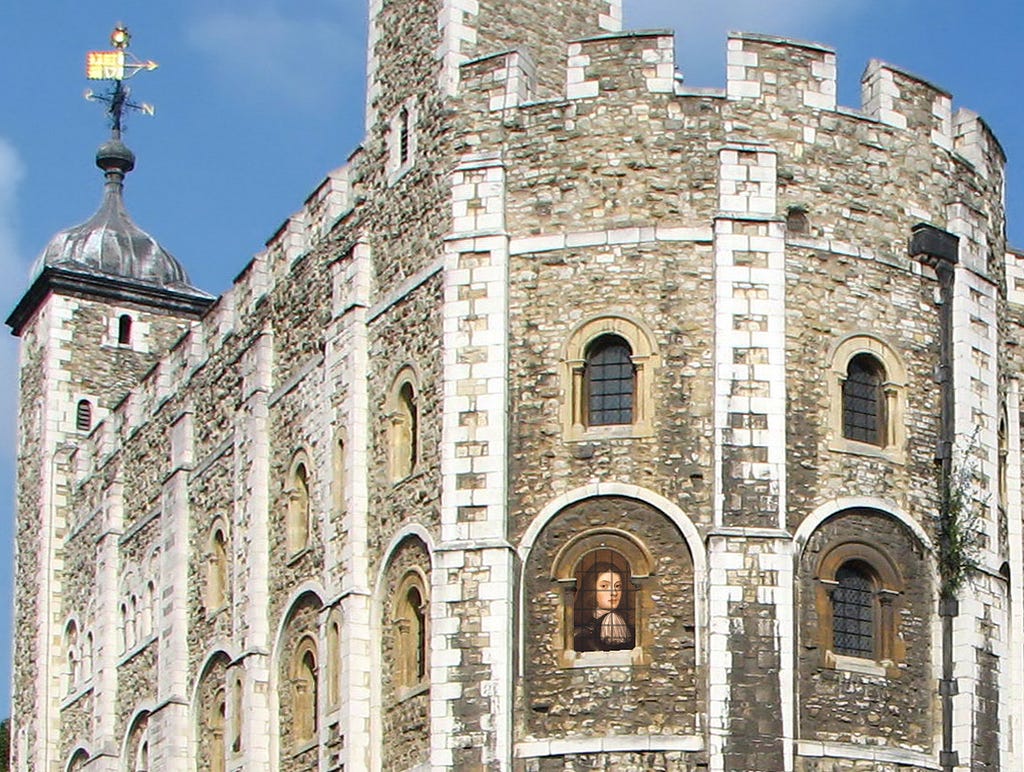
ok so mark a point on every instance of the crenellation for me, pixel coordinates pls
(901, 99)
(621, 62)
(789, 74)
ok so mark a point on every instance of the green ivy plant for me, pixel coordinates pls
(960, 521)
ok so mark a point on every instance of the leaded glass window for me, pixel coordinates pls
(610, 382)
(864, 401)
(853, 612)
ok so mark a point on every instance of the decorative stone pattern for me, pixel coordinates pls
(559, 173)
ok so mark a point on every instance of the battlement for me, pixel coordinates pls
(786, 76)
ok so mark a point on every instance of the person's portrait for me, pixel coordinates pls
(603, 612)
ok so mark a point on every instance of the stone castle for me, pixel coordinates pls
(583, 420)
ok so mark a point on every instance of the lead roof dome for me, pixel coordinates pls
(110, 242)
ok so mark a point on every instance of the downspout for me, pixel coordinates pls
(939, 250)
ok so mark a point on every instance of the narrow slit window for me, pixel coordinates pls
(403, 137)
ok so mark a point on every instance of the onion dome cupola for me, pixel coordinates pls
(108, 254)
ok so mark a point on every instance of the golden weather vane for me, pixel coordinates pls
(117, 66)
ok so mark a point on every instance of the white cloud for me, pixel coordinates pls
(294, 58)
(701, 25)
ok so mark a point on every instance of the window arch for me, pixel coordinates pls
(864, 400)
(404, 426)
(305, 691)
(73, 655)
(297, 524)
(867, 395)
(216, 568)
(603, 575)
(83, 415)
(610, 382)
(333, 659)
(859, 587)
(410, 618)
(607, 373)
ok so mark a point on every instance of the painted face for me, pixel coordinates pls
(608, 590)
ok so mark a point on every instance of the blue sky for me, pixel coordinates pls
(256, 100)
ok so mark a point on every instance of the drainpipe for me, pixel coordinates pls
(939, 250)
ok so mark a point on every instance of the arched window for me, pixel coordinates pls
(127, 629)
(238, 695)
(304, 692)
(859, 588)
(853, 611)
(124, 329)
(83, 415)
(867, 397)
(404, 428)
(607, 379)
(149, 610)
(333, 659)
(78, 761)
(218, 711)
(73, 655)
(87, 655)
(611, 381)
(298, 526)
(864, 401)
(217, 569)
(411, 641)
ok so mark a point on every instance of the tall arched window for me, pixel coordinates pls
(215, 726)
(73, 655)
(333, 659)
(411, 641)
(305, 696)
(853, 611)
(611, 381)
(404, 427)
(217, 569)
(864, 401)
(298, 525)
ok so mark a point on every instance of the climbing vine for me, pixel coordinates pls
(960, 522)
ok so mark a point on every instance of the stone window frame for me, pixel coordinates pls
(564, 568)
(73, 655)
(401, 133)
(305, 733)
(894, 389)
(218, 568)
(216, 724)
(138, 330)
(333, 661)
(298, 495)
(645, 359)
(77, 760)
(404, 425)
(412, 636)
(888, 586)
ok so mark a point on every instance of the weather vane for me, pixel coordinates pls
(117, 66)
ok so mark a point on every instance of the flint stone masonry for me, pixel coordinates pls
(558, 173)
